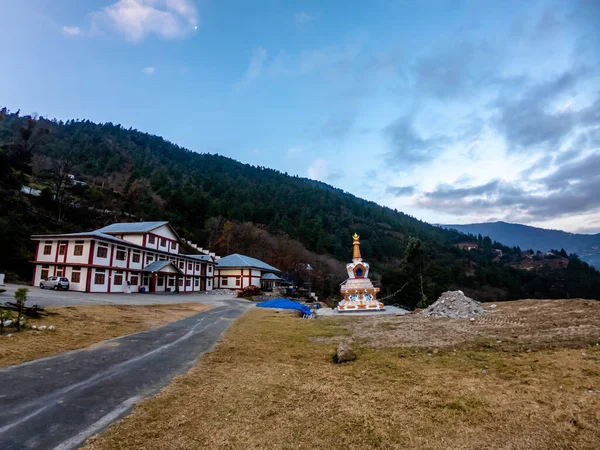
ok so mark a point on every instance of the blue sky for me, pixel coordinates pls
(453, 112)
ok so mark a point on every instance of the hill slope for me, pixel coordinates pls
(231, 207)
(587, 246)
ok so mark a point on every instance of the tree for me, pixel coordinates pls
(21, 298)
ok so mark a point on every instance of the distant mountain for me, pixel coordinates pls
(587, 246)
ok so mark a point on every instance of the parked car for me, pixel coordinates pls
(55, 283)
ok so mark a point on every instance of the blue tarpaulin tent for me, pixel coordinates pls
(284, 303)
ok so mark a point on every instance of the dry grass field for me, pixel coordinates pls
(526, 376)
(81, 326)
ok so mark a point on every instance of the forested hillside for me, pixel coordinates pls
(587, 246)
(228, 206)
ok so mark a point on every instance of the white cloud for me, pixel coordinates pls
(138, 18)
(71, 31)
(255, 67)
(301, 18)
(321, 170)
(149, 70)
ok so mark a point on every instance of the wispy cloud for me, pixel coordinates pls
(149, 70)
(71, 31)
(255, 67)
(301, 18)
(321, 170)
(136, 19)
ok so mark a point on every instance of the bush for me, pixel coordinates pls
(20, 298)
(249, 292)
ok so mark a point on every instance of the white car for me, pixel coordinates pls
(55, 283)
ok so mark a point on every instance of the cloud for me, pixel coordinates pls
(255, 67)
(321, 170)
(136, 19)
(71, 31)
(400, 191)
(301, 18)
(408, 147)
(337, 127)
(149, 70)
(569, 190)
(525, 120)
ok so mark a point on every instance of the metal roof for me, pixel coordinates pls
(97, 234)
(201, 257)
(131, 227)
(237, 260)
(157, 266)
(271, 276)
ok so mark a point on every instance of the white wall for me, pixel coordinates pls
(99, 287)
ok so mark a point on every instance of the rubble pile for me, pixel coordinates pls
(221, 292)
(454, 304)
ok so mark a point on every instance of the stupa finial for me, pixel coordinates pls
(356, 244)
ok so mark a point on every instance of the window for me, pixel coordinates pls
(181, 265)
(197, 282)
(62, 248)
(171, 281)
(189, 266)
(78, 250)
(150, 239)
(209, 269)
(118, 280)
(136, 258)
(224, 281)
(188, 282)
(197, 267)
(160, 281)
(99, 277)
(44, 274)
(47, 249)
(238, 281)
(102, 252)
(121, 255)
(75, 277)
(173, 245)
(209, 283)
(59, 272)
(180, 283)
(149, 259)
(163, 242)
(134, 280)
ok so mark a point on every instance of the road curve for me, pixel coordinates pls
(58, 402)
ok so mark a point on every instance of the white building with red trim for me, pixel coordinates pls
(240, 271)
(144, 254)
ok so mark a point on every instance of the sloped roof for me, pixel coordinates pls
(97, 234)
(157, 266)
(131, 227)
(237, 260)
(201, 257)
(271, 276)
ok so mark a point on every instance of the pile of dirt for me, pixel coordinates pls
(454, 304)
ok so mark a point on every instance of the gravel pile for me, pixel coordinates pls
(454, 304)
(220, 292)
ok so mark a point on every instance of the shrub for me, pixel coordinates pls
(249, 292)
(5, 314)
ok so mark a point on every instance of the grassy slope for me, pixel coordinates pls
(80, 326)
(271, 384)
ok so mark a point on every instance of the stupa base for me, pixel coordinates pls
(358, 307)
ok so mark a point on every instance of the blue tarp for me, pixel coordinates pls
(284, 303)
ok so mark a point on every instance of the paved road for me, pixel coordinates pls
(58, 402)
(46, 297)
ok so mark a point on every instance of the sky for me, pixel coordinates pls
(450, 111)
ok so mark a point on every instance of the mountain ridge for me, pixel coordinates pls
(587, 246)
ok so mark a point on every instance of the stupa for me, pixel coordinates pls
(358, 291)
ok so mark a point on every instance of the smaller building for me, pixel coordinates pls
(240, 271)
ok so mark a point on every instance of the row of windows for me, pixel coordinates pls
(163, 242)
(225, 281)
(62, 249)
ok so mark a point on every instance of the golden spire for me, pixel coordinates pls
(356, 244)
